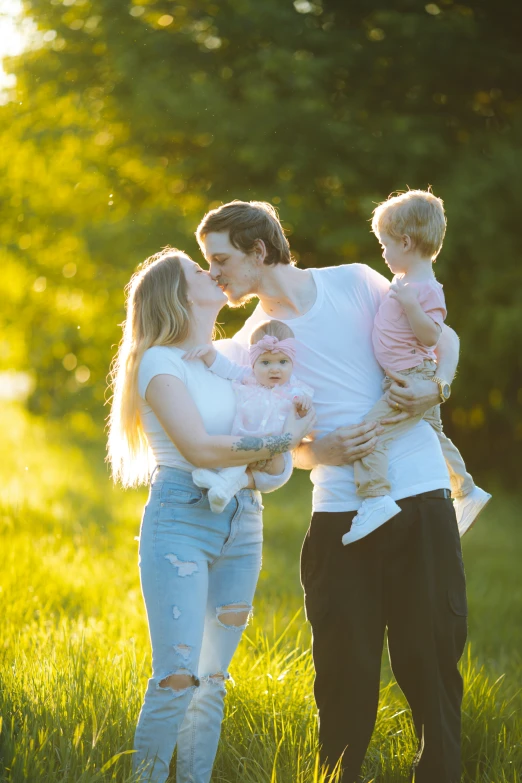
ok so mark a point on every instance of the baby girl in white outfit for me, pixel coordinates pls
(266, 394)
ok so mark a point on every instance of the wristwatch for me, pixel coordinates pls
(444, 388)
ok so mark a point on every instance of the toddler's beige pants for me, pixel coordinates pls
(371, 472)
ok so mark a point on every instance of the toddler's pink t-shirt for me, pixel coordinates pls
(394, 343)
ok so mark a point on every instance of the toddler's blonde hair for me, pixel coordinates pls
(272, 329)
(417, 213)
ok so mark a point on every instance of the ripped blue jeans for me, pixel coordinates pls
(199, 572)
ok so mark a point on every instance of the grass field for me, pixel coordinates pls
(74, 653)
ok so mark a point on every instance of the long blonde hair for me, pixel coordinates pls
(157, 313)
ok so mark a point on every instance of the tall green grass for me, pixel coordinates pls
(74, 652)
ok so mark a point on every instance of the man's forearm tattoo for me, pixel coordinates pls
(276, 444)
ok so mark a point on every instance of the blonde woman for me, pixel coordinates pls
(198, 569)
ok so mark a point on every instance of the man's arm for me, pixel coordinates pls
(343, 446)
(415, 395)
(447, 351)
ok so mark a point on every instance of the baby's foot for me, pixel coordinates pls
(218, 499)
(469, 507)
(204, 478)
(373, 513)
(220, 495)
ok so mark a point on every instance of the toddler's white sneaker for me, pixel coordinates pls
(469, 507)
(373, 513)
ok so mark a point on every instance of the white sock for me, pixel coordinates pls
(205, 478)
(220, 495)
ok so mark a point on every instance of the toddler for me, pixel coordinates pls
(410, 228)
(266, 392)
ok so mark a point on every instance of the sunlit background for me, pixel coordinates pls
(13, 38)
(121, 123)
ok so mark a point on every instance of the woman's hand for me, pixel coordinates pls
(303, 403)
(274, 466)
(410, 396)
(298, 427)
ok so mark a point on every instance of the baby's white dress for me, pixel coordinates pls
(260, 411)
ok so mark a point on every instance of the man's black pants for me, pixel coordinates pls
(407, 576)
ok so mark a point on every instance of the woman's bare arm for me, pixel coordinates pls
(177, 412)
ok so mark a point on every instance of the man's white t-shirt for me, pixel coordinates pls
(335, 357)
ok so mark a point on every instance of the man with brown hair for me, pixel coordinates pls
(408, 575)
(239, 228)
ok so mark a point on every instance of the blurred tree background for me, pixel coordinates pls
(128, 120)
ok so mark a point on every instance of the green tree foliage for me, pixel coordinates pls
(129, 120)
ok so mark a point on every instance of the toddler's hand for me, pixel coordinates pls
(205, 352)
(302, 403)
(403, 293)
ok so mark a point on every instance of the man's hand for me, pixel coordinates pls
(343, 446)
(410, 396)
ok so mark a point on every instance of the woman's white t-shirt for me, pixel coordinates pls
(214, 398)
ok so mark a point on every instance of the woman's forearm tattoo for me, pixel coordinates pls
(248, 443)
(276, 444)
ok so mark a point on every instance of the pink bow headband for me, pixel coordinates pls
(270, 344)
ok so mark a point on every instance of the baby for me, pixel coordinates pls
(410, 228)
(266, 392)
